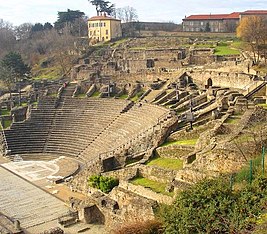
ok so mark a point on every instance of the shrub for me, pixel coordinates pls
(212, 207)
(146, 227)
(105, 184)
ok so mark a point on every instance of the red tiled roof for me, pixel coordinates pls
(102, 17)
(255, 12)
(234, 15)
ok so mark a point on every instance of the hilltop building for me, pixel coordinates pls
(103, 28)
(211, 23)
(217, 22)
(253, 13)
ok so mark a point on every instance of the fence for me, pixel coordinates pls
(248, 173)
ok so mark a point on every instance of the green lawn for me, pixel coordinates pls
(153, 185)
(123, 96)
(7, 123)
(181, 142)
(137, 96)
(232, 120)
(168, 163)
(52, 95)
(264, 106)
(81, 95)
(226, 50)
(5, 112)
(96, 94)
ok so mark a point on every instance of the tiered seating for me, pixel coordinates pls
(128, 126)
(79, 122)
(30, 136)
(81, 127)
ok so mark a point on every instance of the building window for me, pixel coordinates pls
(106, 37)
(104, 24)
(107, 32)
(202, 23)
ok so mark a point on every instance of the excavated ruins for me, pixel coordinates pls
(112, 118)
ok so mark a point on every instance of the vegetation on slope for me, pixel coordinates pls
(153, 185)
(212, 206)
(105, 184)
(167, 163)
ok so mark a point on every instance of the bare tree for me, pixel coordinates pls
(23, 31)
(126, 14)
(7, 37)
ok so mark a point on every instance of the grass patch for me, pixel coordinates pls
(24, 104)
(50, 73)
(243, 174)
(264, 106)
(5, 112)
(7, 123)
(52, 95)
(225, 50)
(232, 120)
(181, 142)
(153, 185)
(168, 163)
(119, 42)
(81, 95)
(95, 94)
(123, 96)
(137, 96)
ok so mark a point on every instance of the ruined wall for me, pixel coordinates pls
(156, 174)
(148, 193)
(222, 79)
(174, 151)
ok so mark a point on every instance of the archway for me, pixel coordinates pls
(209, 82)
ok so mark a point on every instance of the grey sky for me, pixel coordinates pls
(33, 11)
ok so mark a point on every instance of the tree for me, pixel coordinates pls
(102, 6)
(126, 14)
(7, 78)
(37, 27)
(253, 31)
(13, 63)
(48, 26)
(207, 27)
(23, 31)
(7, 37)
(67, 18)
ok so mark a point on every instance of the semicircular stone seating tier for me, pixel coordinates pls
(82, 128)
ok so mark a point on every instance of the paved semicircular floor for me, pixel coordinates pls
(22, 200)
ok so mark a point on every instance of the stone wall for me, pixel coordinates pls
(222, 79)
(145, 192)
(156, 174)
(174, 151)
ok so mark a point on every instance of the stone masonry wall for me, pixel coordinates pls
(148, 193)
(222, 79)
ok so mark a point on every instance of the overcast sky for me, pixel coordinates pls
(41, 11)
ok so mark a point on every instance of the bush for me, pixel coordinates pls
(105, 184)
(212, 207)
(146, 227)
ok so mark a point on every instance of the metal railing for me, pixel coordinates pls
(136, 138)
(5, 146)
